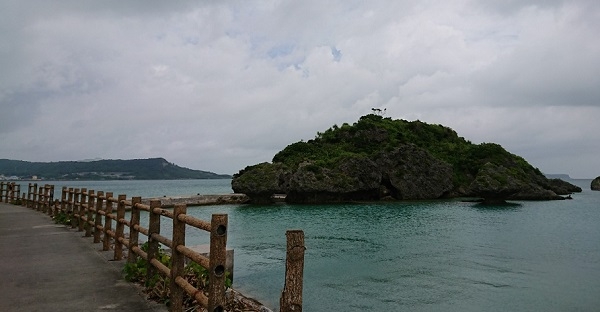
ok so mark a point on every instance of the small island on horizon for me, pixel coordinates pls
(105, 169)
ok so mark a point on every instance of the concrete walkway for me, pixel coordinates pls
(49, 267)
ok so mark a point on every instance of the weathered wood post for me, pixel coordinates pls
(218, 257)
(11, 192)
(133, 232)
(291, 297)
(153, 244)
(119, 232)
(33, 203)
(23, 200)
(91, 204)
(3, 189)
(70, 203)
(81, 210)
(63, 200)
(51, 193)
(56, 207)
(40, 198)
(28, 205)
(177, 258)
(107, 221)
(98, 217)
(47, 199)
(75, 209)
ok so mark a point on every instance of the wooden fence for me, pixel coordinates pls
(94, 213)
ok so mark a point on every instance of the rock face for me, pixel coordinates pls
(495, 184)
(260, 181)
(353, 179)
(595, 184)
(407, 172)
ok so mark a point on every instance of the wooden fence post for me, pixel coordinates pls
(98, 217)
(82, 207)
(40, 198)
(153, 244)
(63, 200)
(133, 232)
(70, 202)
(218, 257)
(119, 232)
(177, 258)
(2, 191)
(88, 213)
(56, 207)
(28, 195)
(51, 194)
(32, 204)
(75, 210)
(47, 198)
(291, 297)
(107, 221)
(11, 191)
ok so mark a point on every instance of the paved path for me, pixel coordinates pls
(47, 267)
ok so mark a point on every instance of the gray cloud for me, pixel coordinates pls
(221, 85)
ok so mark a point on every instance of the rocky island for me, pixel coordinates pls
(595, 184)
(379, 158)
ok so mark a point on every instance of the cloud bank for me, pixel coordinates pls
(221, 85)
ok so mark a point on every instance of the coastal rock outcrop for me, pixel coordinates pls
(354, 178)
(495, 183)
(595, 186)
(261, 181)
(562, 187)
(410, 172)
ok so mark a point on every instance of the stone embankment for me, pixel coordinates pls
(200, 200)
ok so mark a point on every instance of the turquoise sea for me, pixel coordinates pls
(410, 256)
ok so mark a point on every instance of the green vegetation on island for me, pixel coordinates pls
(113, 169)
(378, 158)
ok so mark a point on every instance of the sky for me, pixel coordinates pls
(220, 85)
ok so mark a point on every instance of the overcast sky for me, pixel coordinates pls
(219, 85)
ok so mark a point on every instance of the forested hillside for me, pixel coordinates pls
(114, 169)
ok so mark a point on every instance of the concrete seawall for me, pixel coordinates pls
(200, 200)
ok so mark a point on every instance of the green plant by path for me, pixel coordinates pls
(157, 286)
(62, 218)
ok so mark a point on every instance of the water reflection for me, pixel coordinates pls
(506, 206)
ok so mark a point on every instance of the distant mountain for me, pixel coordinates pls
(108, 169)
(557, 176)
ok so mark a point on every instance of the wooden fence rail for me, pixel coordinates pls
(94, 213)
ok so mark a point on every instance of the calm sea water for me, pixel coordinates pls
(411, 256)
